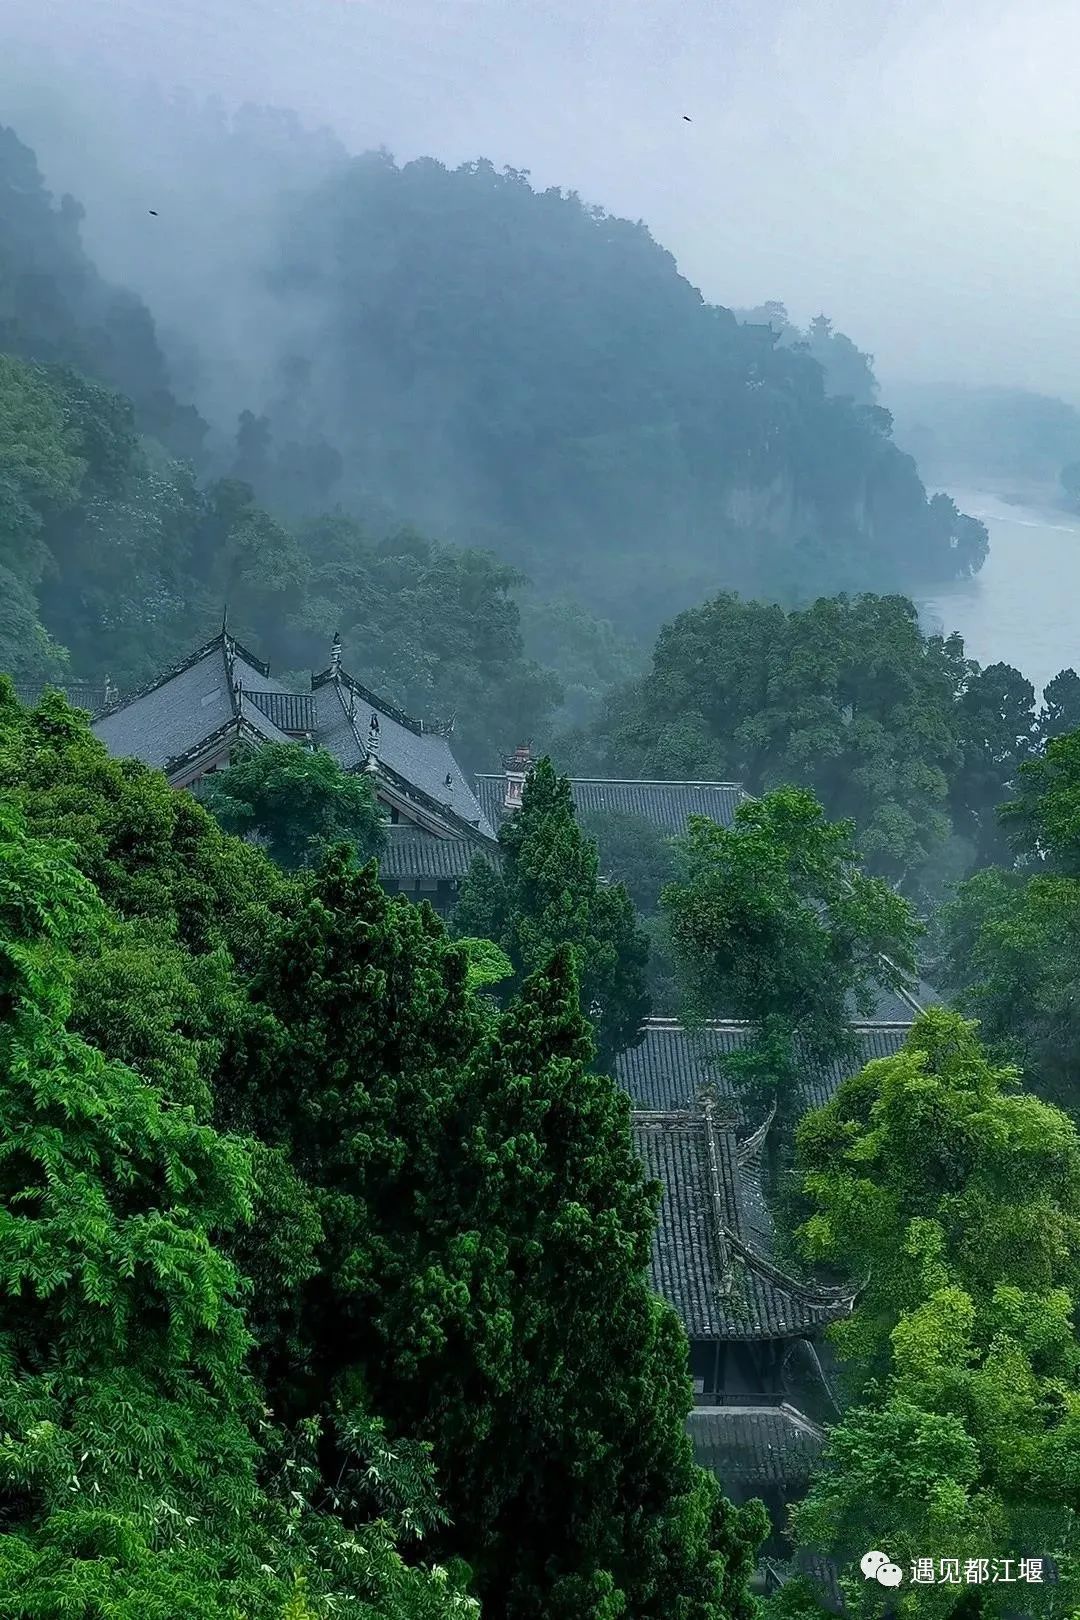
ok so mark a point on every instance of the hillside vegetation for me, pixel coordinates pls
(508, 369)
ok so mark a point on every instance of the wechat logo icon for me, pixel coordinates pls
(878, 1566)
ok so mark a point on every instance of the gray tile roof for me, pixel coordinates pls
(90, 695)
(704, 1262)
(412, 853)
(187, 705)
(199, 698)
(755, 1444)
(673, 1066)
(292, 712)
(259, 721)
(690, 1264)
(666, 805)
(898, 1006)
(420, 758)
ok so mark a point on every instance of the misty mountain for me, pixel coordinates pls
(56, 308)
(505, 368)
(985, 433)
(518, 369)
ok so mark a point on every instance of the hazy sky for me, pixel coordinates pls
(909, 167)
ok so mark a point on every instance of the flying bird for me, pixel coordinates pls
(687, 120)
(154, 212)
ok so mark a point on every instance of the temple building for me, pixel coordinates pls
(667, 806)
(751, 1324)
(709, 1261)
(759, 1368)
(191, 720)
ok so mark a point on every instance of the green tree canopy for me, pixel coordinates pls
(772, 921)
(846, 698)
(296, 801)
(549, 893)
(485, 1225)
(1043, 821)
(956, 1197)
(633, 851)
(141, 1472)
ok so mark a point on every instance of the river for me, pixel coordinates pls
(1023, 607)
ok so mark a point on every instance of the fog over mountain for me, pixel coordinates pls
(907, 169)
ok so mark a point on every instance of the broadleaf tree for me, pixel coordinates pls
(772, 921)
(954, 1197)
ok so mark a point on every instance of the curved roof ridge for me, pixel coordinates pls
(716, 1201)
(341, 678)
(746, 1149)
(161, 680)
(841, 1297)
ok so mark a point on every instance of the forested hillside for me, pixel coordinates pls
(505, 368)
(518, 365)
(56, 308)
(994, 433)
(259, 1360)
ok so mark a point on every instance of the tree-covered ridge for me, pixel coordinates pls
(892, 728)
(117, 561)
(409, 1232)
(492, 360)
(55, 307)
(509, 369)
(973, 432)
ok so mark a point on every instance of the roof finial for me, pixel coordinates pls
(372, 743)
(224, 619)
(335, 654)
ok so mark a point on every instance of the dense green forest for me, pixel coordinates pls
(346, 1370)
(244, 1332)
(515, 371)
(324, 1267)
(895, 728)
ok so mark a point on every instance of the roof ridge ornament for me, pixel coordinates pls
(335, 656)
(371, 764)
(747, 1149)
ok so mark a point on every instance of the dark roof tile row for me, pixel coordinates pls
(411, 853)
(704, 1261)
(673, 1067)
(755, 1444)
(666, 805)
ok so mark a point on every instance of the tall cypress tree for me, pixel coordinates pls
(487, 1227)
(549, 893)
(584, 1493)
